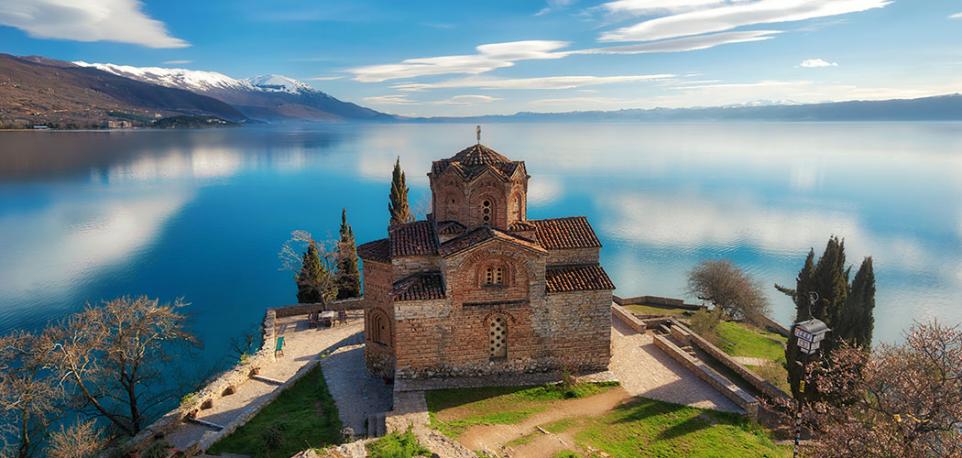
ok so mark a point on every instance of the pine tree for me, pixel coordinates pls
(311, 277)
(398, 206)
(348, 276)
(859, 318)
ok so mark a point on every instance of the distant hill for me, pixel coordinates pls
(937, 108)
(36, 90)
(267, 97)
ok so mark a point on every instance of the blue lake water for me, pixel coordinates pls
(202, 214)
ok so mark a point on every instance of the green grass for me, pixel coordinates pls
(738, 339)
(304, 416)
(652, 310)
(649, 428)
(499, 405)
(774, 373)
(396, 445)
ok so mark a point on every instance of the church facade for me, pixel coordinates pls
(479, 289)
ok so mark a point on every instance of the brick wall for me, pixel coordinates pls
(580, 328)
(378, 280)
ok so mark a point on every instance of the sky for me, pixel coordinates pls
(440, 58)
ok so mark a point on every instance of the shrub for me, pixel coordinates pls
(397, 445)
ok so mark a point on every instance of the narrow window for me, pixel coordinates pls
(498, 338)
(493, 276)
(489, 276)
(486, 211)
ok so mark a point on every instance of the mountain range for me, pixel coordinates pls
(37, 90)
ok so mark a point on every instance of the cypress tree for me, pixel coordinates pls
(310, 278)
(859, 313)
(398, 206)
(804, 283)
(348, 276)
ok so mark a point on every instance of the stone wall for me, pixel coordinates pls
(378, 281)
(740, 397)
(407, 265)
(580, 329)
(573, 256)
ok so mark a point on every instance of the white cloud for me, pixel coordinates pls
(121, 21)
(817, 63)
(325, 78)
(389, 100)
(547, 82)
(956, 16)
(489, 57)
(177, 62)
(734, 15)
(686, 43)
(554, 5)
(645, 7)
(467, 99)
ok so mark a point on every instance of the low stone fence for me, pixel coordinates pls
(227, 382)
(736, 394)
(773, 326)
(760, 384)
(656, 301)
(620, 313)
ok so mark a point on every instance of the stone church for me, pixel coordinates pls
(477, 288)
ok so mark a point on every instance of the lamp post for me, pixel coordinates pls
(809, 335)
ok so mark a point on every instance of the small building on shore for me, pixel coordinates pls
(479, 289)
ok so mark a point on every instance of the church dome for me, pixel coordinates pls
(479, 155)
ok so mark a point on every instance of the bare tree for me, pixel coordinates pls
(82, 440)
(28, 394)
(111, 357)
(730, 289)
(903, 401)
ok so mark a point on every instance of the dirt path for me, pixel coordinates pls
(493, 437)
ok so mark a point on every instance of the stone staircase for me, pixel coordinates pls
(376, 424)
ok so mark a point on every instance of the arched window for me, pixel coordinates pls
(486, 211)
(498, 338)
(494, 276)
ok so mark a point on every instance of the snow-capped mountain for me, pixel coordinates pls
(266, 97)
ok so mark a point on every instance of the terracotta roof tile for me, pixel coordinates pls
(565, 233)
(378, 250)
(521, 226)
(451, 228)
(413, 239)
(584, 277)
(423, 286)
(475, 159)
(482, 234)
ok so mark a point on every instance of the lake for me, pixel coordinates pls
(202, 214)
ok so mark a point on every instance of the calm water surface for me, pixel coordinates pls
(202, 214)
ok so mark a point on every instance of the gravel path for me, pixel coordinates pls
(644, 370)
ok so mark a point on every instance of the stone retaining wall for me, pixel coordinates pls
(760, 384)
(620, 313)
(233, 377)
(656, 301)
(739, 396)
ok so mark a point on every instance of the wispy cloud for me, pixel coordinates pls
(325, 78)
(177, 62)
(956, 16)
(547, 82)
(730, 16)
(554, 5)
(489, 57)
(817, 63)
(646, 7)
(399, 99)
(121, 21)
(686, 43)
(467, 99)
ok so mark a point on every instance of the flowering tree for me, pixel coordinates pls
(903, 401)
